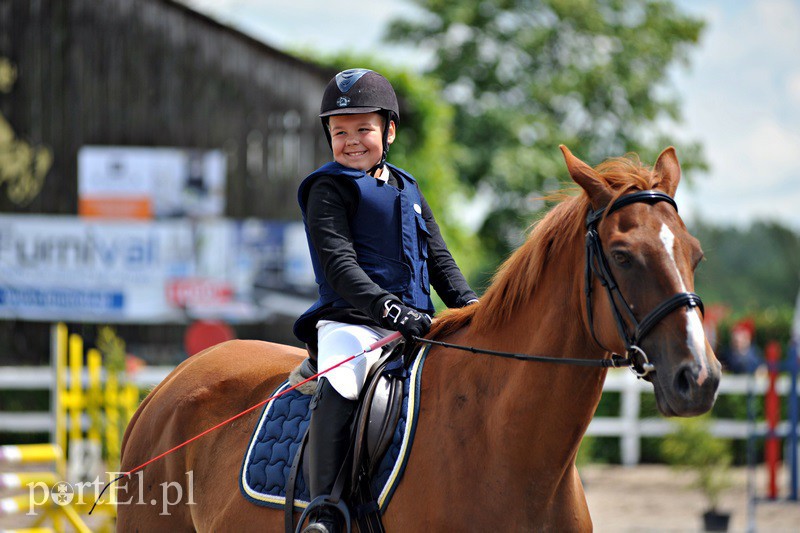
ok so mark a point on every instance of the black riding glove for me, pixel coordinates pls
(407, 320)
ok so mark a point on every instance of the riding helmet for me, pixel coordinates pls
(360, 90)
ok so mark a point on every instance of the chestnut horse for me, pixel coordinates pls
(496, 439)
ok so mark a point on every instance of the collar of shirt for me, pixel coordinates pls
(384, 175)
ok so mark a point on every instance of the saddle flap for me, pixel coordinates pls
(384, 412)
(377, 416)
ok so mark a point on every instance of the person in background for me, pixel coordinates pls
(742, 356)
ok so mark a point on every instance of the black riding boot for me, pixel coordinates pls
(328, 443)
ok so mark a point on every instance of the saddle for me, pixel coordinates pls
(380, 405)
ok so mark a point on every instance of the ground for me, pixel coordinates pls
(655, 498)
(647, 498)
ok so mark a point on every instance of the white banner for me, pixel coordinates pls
(141, 183)
(75, 269)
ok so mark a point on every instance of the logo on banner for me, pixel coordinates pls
(193, 292)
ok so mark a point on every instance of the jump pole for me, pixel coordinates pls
(772, 412)
(792, 412)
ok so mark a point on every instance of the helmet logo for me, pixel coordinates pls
(342, 101)
(347, 78)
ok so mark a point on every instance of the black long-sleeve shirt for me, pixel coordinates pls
(330, 206)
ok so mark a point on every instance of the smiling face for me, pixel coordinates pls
(357, 140)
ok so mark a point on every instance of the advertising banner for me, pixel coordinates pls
(77, 269)
(144, 183)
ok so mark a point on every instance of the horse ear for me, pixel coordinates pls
(669, 169)
(589, 180)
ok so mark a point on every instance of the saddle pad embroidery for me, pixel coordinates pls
(283, 422)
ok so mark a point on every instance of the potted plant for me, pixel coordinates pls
(692, 447)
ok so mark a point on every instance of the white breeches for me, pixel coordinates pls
(338, 341)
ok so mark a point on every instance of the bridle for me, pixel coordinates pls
(597, 266)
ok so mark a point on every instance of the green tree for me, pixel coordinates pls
(748, 269)
(527, 75)
(693, 448)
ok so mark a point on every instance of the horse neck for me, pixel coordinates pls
(539, 402)
(553, 321)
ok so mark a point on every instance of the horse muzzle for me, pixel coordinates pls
(688, 388)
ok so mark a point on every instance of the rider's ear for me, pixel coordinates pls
(585, 176)
(668, 168)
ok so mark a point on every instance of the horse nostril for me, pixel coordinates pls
(683, 380)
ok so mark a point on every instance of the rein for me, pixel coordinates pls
(597, 266)
(616, 361)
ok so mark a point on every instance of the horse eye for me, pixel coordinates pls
(697, 260)
(621, 258)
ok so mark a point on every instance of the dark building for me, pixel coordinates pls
(150, 73)
(147, 73)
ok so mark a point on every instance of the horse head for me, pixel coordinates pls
(640, 277)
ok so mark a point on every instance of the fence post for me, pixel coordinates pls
(631, 404)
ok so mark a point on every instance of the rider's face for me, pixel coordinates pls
(357, 140)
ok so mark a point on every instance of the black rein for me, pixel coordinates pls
(597, 266)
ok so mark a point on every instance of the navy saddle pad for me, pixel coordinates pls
(280, 428)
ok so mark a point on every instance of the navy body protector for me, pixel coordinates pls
(389, 235)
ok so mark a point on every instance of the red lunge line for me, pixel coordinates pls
(374, 346)
(377, 344)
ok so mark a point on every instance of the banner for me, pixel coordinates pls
(76, 269)
(143, 183)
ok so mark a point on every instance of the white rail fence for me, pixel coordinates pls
(631, 428)
(628, 426)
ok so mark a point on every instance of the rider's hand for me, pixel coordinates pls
(407, 320)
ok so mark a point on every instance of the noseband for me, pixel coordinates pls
(597, 266)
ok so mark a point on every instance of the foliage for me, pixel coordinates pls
(527, 75)
(748, 269)
(693, 447)
(771, 324)
(113, 349)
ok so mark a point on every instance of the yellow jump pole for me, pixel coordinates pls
(59, 391)
(30, 453)
(18, 480)
(76, 401)
(94, 363)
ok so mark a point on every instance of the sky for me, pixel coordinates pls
(740, 93)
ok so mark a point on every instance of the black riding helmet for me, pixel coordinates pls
(360, 90)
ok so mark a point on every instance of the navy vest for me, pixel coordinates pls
(389, 236)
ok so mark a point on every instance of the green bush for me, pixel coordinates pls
(692, 447)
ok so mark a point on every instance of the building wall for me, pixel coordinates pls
(149, 73)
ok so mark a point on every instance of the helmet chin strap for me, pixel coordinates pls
(378, 166)
(380, 163)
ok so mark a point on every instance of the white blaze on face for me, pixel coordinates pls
(695, 334)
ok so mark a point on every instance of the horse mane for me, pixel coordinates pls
(516, 280)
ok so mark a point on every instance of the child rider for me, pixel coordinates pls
(375, 248)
